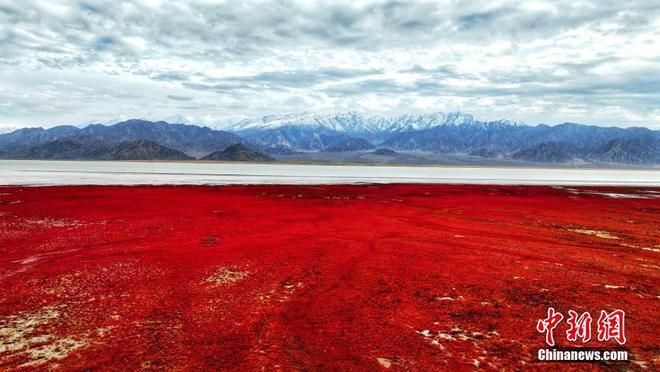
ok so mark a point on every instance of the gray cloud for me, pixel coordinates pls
(179, 98)
(75, 61)
(280, 80)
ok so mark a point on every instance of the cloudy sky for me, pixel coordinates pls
(213, 61)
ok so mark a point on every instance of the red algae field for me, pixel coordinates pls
(362, 277)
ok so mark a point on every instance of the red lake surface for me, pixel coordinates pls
(361, 277)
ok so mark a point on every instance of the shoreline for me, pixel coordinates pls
(357, 164)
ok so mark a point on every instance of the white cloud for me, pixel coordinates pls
(533, 61)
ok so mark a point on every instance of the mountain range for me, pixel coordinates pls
(85, 148)
(423, 138)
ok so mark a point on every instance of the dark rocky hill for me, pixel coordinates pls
(238, 152)
(146, 150)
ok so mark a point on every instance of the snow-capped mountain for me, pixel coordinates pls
(318, 132)
(365, 125)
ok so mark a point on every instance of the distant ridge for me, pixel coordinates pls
(85, 148)
(300, 136)
(192, 140)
